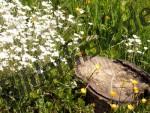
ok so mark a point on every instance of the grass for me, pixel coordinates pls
(113, 23)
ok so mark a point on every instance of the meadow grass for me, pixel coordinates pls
(113, 21)
(118, 29)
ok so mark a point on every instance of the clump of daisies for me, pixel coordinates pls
(134, 45)
(29, 35)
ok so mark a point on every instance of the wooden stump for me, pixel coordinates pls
(104, 76)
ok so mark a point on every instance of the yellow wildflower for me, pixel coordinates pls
(113, 93)
(136, 89)
(97, 66)
(77, 9)
(80, 10)
(134, 82)
(130, 107)
(143, 100)
(83, 90)
(87, 1)
(114, 106)
(107, 17)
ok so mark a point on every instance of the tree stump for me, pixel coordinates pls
(111, 76)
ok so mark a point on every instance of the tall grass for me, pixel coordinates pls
(113, 21)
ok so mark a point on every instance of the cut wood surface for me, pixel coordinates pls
(112, 75)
